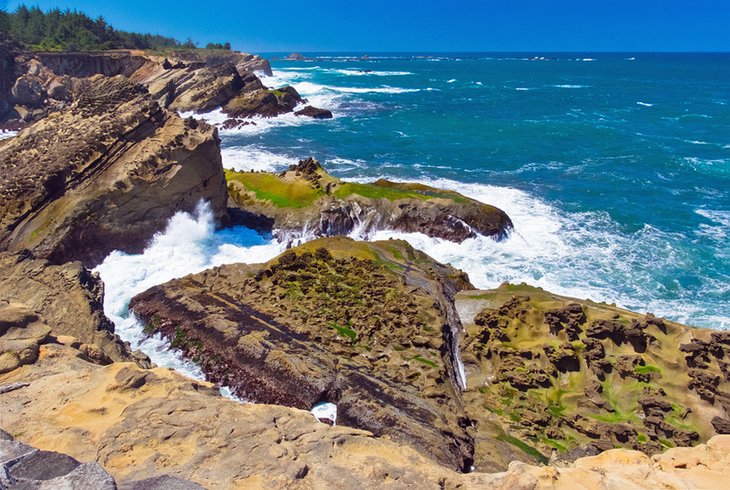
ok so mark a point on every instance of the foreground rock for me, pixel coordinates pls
(570, 377)
(62, 403)
(40, 302)
(104, 174)
(307, 198)
(22, 466)
(368, 326)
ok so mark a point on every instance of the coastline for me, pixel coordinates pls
(192, 243)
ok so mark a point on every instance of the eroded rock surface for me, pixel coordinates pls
(105, 174)
(153, 428)
(34, 85)
(306, 197)
(574, 377)
(40, 302)
(367, 326)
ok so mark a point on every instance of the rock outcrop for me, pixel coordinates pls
(23, 466)
(307, 198)
(314, 113)
(35, 85)
(267, 103)
(367, 326)
(63, 404)
(573, 377)
(40, 302)
(104, 174)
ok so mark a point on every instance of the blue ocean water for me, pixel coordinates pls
(614, 167)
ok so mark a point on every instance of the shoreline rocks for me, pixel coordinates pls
(307, 198)
(105, 174)
(34, 85)
(366, 326)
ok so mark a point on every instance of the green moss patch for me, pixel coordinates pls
(281, 193)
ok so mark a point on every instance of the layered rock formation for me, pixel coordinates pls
(307, 198)
(35, 85)
(367, 326)
(40, 301)
(104, 174)
(574, 377)
(62, 399)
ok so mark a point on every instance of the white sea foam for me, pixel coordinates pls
(256, 125)
(555, 251)
(569, 86)
(645, 104)
(188, 244)
(359, 73)
(252, 157)
(451, 80)
(325, 410)
(522, 89)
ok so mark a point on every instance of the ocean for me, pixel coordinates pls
(615, 169)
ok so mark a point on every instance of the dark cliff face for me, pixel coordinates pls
(105, 174)
(8, 74)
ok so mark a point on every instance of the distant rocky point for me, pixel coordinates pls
(34, 85)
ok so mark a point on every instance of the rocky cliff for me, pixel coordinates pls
(372, 328)
(63, 397)
(37, 84)
(106, 173)
(307, 198)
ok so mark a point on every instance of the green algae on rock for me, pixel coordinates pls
(307, 197)
(368, 326)
(575, 377)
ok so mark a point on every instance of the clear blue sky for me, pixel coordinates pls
(427, 25)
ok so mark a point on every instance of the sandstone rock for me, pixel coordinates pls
(197, 436)
(38, 299)
(314, 113)
(186, 80)
(566, 375)
(105, 174)
(333, 320)
(28, 91)
(307, 197)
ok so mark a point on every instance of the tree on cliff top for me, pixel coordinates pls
(70, 30)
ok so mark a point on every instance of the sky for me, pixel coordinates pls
(425, 25)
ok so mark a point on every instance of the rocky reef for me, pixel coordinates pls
(307, 198)
(106, 173)
(569, 377)
(371, 327)
(368, 326)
